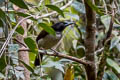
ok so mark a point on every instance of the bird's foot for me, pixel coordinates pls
(45, 52)
(55, 52)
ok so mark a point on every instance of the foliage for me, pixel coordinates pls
(42, 17)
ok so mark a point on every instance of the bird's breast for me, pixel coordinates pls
(49, 41)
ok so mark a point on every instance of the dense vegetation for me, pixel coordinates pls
(88, 50)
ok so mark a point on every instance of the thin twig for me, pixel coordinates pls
(40, 3)
(106, 11)
(54, 12)
(99, 50)
(20, 42)
(59, 1)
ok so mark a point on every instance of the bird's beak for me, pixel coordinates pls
(69, 23)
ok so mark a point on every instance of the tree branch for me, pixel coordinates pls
(61, 55)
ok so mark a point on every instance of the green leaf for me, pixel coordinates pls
(55, 8)
(110, 76)
(75, 42)
(47, 28)
(118, 47)
(1, 1)
(19, 29)
(22, 14)
(79, 7)
(106, 21)
(2, 14)
(3, 19)
(56, 65)
(94, 7)
(3, 60)
(114, 42)
(31, 44)
(25, 15)
(19, 3)
(68, 16)
(2, 76)
(117, 21)
(113, 64)
(13, 48)
(65, 60)
(28, 67)
(1, 23)
(81, 50)
(32, 57)
(54, 73)
(47, 2)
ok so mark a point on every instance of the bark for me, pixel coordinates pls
(23, 55)
(90, 41)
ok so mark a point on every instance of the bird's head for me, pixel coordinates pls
(60, 26)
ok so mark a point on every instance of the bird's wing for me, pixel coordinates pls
(42, 34)
(38, 58)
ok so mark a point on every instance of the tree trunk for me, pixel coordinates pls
(90, 41)
(23, 55)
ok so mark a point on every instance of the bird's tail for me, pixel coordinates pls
(38, 59)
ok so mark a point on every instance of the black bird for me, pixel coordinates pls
(47, 41)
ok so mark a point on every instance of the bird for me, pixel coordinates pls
(47, 41)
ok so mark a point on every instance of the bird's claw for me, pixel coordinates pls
(55, 52)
